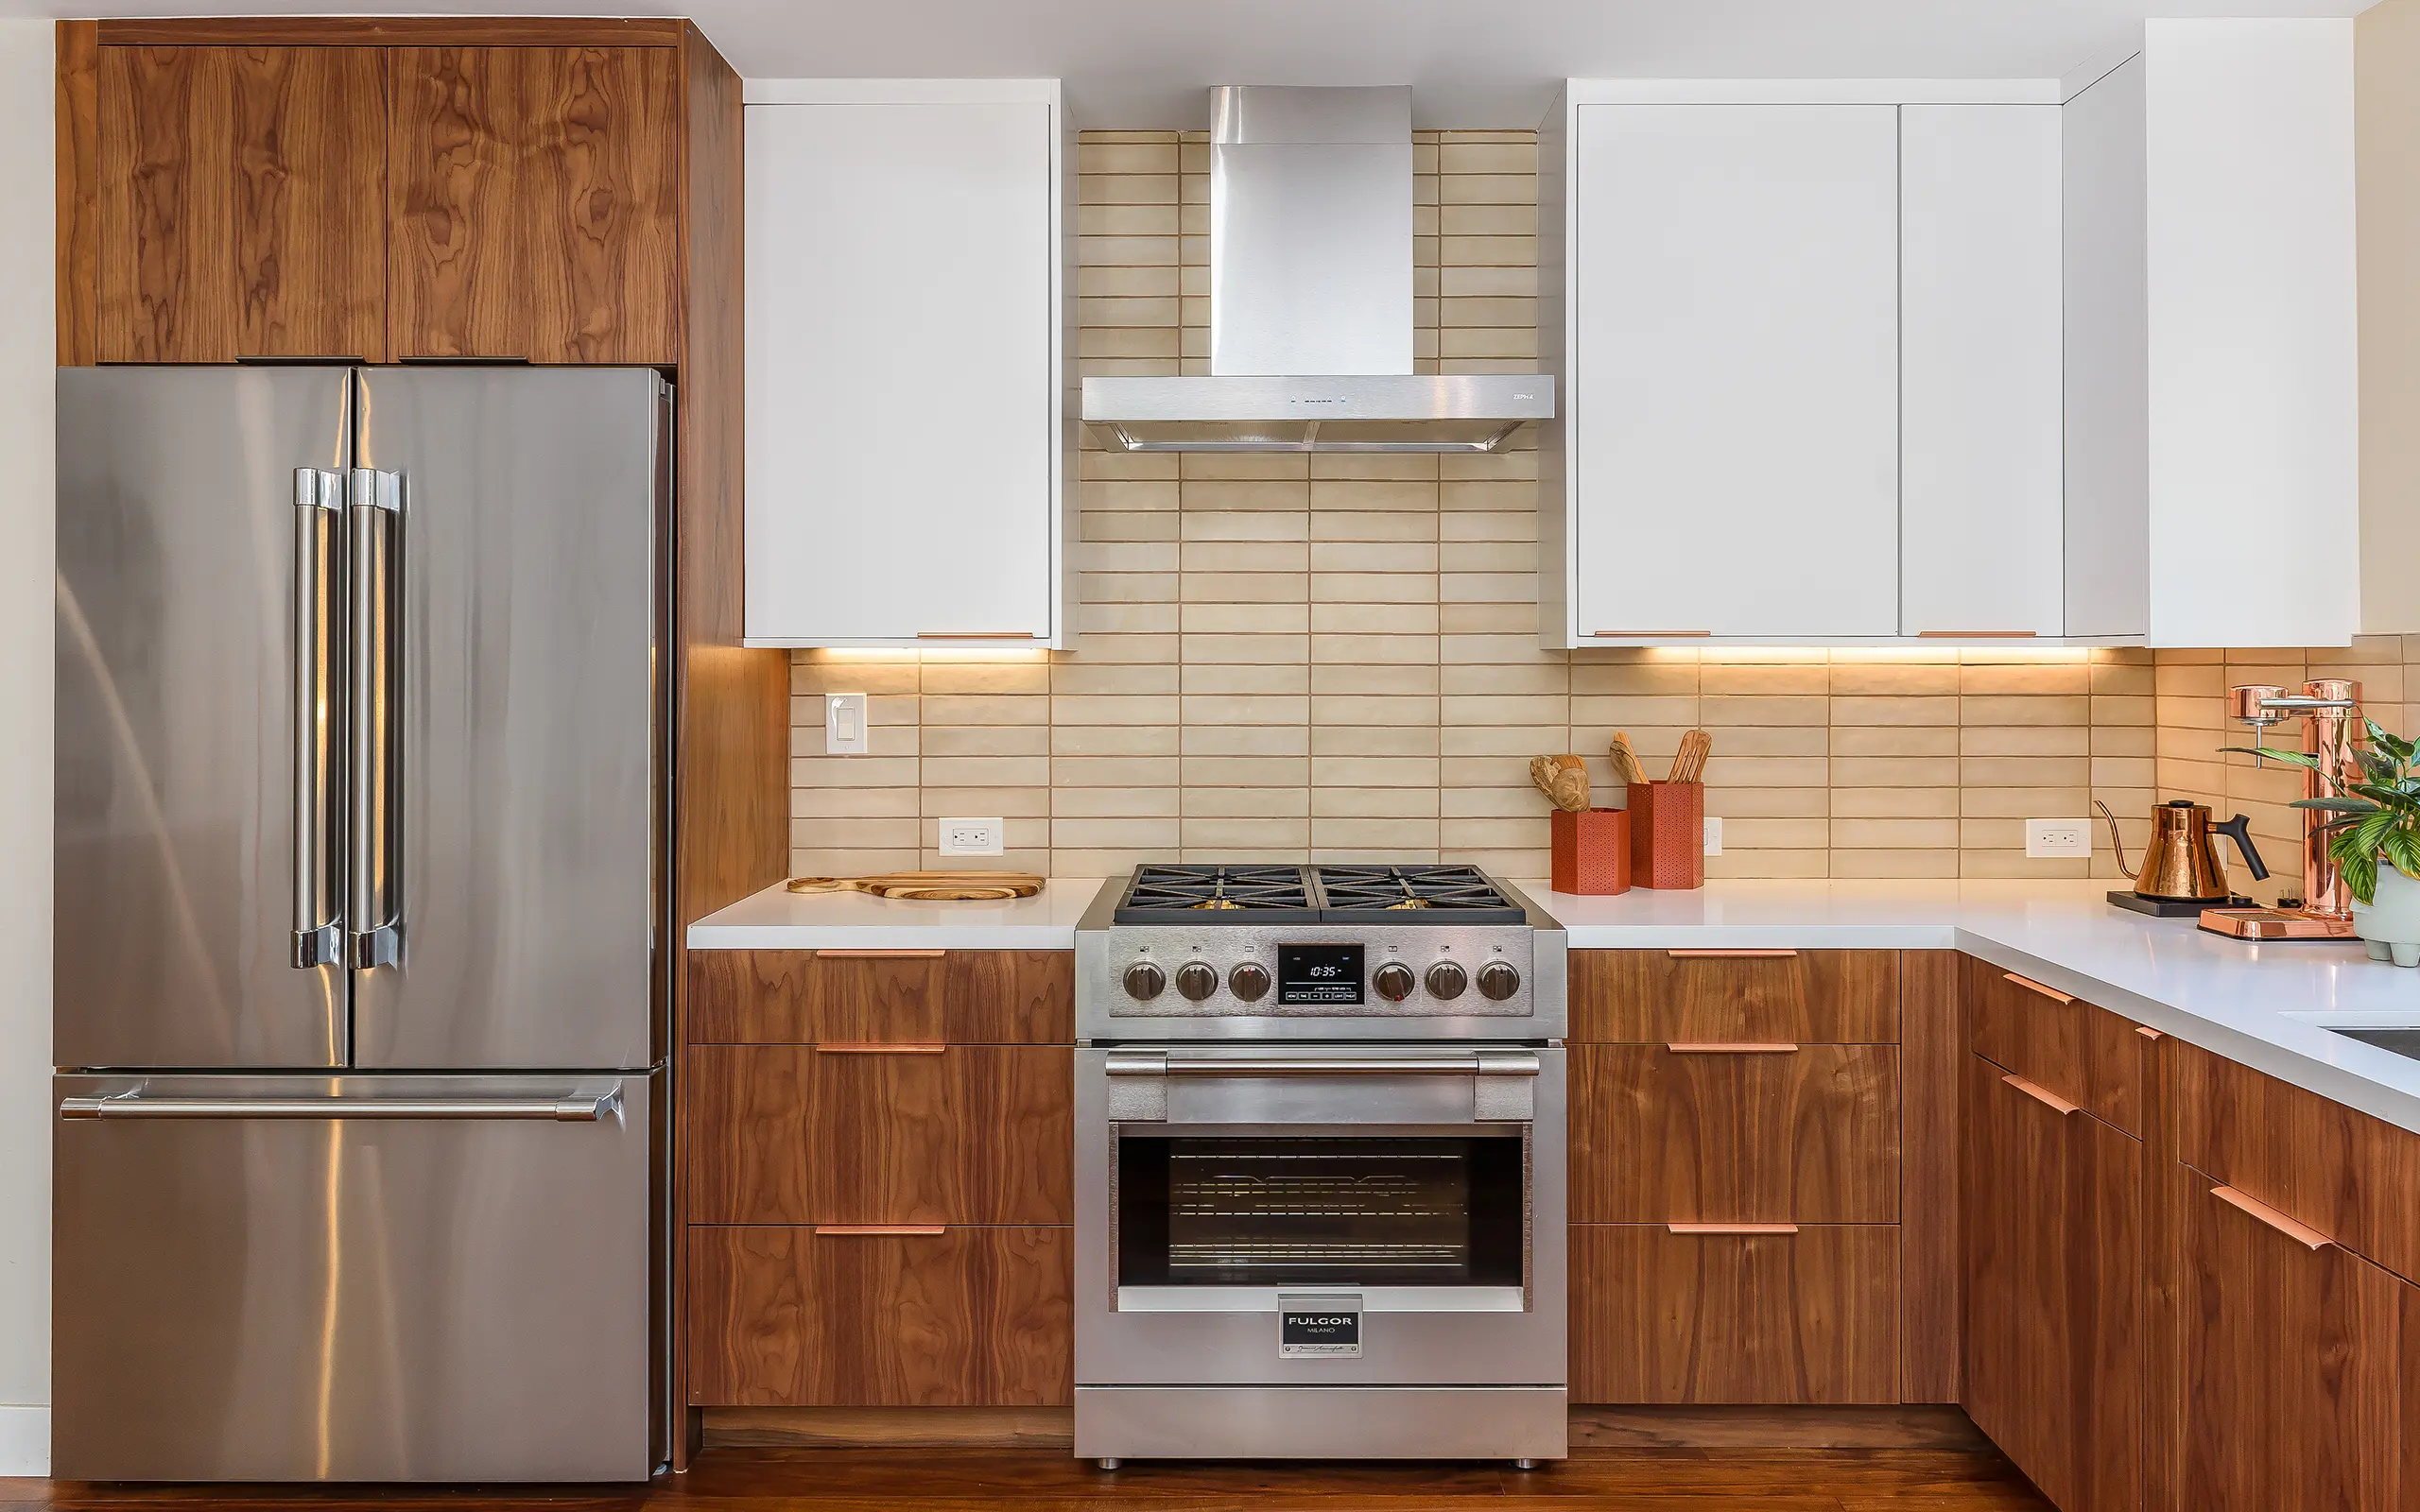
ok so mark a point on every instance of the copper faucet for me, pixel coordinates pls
(2331, 710)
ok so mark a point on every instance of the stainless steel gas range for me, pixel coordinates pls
(1319, 1166)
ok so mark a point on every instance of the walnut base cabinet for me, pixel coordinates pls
(1806, 1316)
(2301, 1364)
(2054, 1237)
(786, 1317)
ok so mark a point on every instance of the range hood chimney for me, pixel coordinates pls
(1310, 298)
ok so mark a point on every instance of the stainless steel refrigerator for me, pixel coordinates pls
(363, 924)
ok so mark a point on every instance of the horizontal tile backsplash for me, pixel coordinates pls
(1329, 658)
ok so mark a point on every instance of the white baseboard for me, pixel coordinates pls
(25, 1440)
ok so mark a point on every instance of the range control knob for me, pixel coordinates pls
(1249, 982)
(1394, 980)
(1447, 980)
(1498, 981)
(1145, 981)
(1197, 980)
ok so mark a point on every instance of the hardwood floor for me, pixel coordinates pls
(1884, 1460)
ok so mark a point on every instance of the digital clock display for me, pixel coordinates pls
(1311, 975)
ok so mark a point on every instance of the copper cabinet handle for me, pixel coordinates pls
(878, 955)
(2041, 1094)
(2032, 986)
(1732, 1227)
(2261, 1213)
(864, 1047)
(1980, 635)
(1730, 956)
(876, 1230)
(979, 635)
(2148, 1032)
(1648, 635)
(1728, 1047)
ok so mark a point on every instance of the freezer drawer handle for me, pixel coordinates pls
(377, 500)
(583, 1105)
(318, 718)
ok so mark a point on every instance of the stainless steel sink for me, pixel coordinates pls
(2404, 1042)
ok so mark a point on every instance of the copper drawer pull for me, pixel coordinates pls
(1730, 956)
(878, 955)
(1980, 635)
(2032, 986)
(1648, 635)
(876, 1230)
(979, 635)
(1727, 1047)
(848, 1047)
(2148, 1032)
(2041, 1094)
(2261, 1213)
(1732, 1227)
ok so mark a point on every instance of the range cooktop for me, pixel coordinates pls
(1206, 894)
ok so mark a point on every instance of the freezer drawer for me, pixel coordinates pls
(355, 1278)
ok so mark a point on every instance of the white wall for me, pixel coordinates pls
(27, 356)
(2386, 61)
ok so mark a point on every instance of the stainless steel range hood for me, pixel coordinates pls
(1311, 298)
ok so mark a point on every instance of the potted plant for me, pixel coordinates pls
(2373, 833)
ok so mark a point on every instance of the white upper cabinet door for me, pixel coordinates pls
(1733, 436)
(904, 397)
(1980, 487)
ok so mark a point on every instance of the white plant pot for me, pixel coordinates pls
(2391, 923)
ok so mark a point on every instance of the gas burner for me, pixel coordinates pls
(1462, 895)
(1215, 894)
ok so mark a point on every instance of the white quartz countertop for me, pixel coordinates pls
(2265, 1006)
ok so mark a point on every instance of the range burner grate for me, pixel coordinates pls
(1462, 894)
(1268, 895)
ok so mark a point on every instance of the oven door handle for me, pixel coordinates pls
(1422, 1063)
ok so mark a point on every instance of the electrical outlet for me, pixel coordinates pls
(844, 724)
(1713, 835)
(972, 837)
(2058, 839)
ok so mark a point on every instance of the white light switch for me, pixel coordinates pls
(1713, 835)
(844, 724)
(2058, 839)
(971, 838)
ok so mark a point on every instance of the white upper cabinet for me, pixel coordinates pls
(905, 446)
(2211, 339)
(1729, 449)
(1979, 370)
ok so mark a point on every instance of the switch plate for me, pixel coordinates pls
(972, 837)
(2058, 839)
(844, 724)
(1713, 835)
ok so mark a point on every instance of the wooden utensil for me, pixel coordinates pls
(946, 886)
(1689, 762)
(1626, 765)
(1563, 779)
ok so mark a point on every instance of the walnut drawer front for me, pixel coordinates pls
(783, 1316)
(1735, 1132)
(2086, 1055)
(1810, 1316)
(880, 1134)
(955, 997)
(2335, 1169)
(1799, 996)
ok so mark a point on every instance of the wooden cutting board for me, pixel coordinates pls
(950, 886)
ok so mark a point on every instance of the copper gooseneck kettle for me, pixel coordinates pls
(2182, 862)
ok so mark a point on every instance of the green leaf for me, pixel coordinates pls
(2336, 805)
(2402, 848)
(2371, 833)
(2291, 758)
(2360, 872)
(2399, 750)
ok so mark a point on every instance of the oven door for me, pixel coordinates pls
(1320, 1215)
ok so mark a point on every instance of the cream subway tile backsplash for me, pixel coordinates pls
(1337, 657)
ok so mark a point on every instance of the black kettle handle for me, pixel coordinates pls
(2240, 829)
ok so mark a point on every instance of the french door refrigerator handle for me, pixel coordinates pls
(583, 1104)
(319, 715)
(376, 508)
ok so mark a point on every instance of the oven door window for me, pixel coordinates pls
(1228, 1211)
